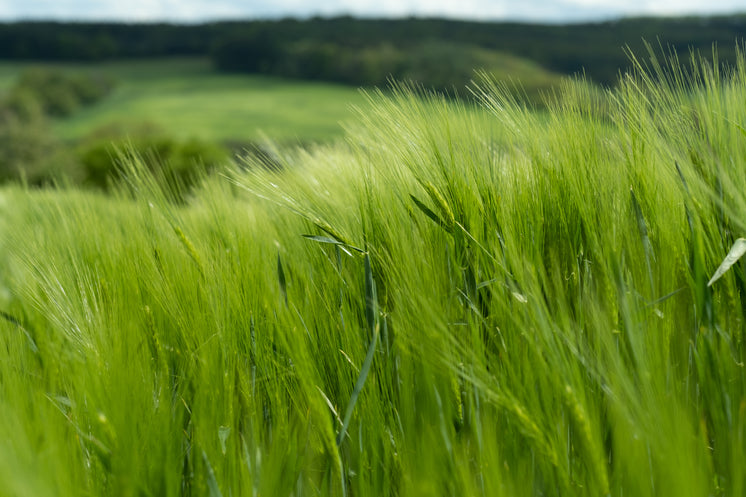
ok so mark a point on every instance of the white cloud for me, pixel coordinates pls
(662, 6)
(195, 10)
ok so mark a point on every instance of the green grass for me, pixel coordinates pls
(8, 74)
(187, 99)
(444, 305)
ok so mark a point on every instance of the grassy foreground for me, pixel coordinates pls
(443, 306)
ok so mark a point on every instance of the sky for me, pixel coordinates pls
(551, 11)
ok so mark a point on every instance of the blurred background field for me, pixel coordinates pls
(187, 98)
(67, 112)
(192, 96)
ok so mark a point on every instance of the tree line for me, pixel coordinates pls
(360, 51)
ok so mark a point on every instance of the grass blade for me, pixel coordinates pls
(332, 241)
(17, 322)
(643, 227)
(330, 405)
(429, 213)
(358, 387)
(282, 280)
(736, 252)
(371, 311)
(212, 482)
(667, 296)
(11, 319)
(440, 203)
(371, 296)
(686, 206)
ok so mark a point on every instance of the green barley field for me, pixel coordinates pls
(443, 304)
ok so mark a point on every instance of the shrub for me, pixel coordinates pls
(29, 152)
(61, 94)
(24, 104)
(175, 162)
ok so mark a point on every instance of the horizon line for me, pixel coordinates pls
(600, 19)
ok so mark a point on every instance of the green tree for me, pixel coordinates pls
(255, 52)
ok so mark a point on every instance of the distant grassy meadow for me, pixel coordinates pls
(447, 302)
(186, 98)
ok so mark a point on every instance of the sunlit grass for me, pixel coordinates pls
(446, 304)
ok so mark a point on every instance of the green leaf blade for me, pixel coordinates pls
(736, 252)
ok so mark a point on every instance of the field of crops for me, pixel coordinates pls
(444, 304)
